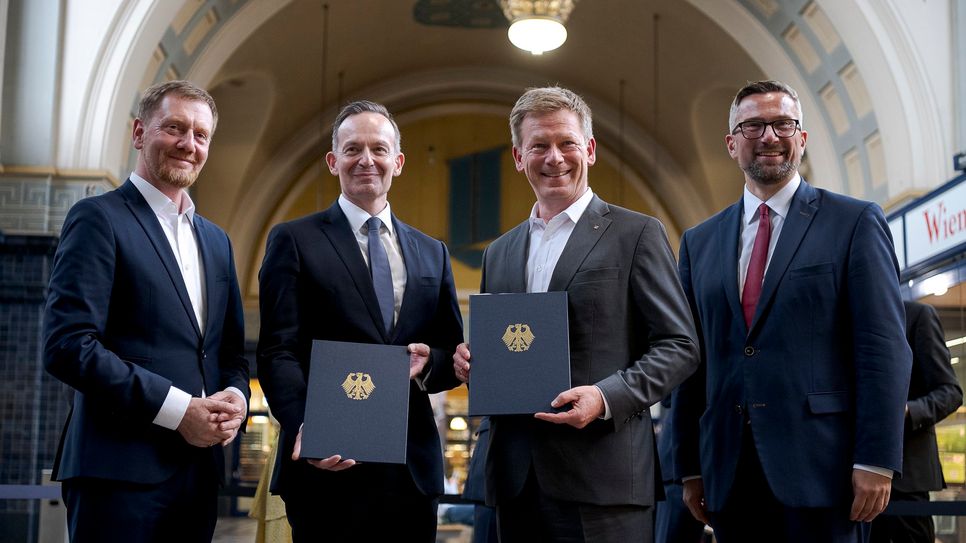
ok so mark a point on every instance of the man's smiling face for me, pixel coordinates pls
(768, 160)
(555, 155)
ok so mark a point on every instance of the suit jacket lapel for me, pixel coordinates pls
(205, 248)
(149, 223)
(336, 228)
(729, 237)
(800, 214)
(515, 261)
(410, 254)
(587, 232)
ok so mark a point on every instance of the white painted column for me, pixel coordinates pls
(35, 192)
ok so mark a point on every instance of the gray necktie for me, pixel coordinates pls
(379, 269)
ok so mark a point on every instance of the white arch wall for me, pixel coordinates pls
(141, 42)
(874, 81)
(100, 78)
(775, 61)
(900, 50)
(908, 73)
(128, 60)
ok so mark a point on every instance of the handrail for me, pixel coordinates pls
(52, 492)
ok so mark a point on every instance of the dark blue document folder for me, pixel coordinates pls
(357, 403)
(520, 345)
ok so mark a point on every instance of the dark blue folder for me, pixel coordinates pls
(357, 403)
(521, 352)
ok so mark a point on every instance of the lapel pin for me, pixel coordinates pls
(596, 226)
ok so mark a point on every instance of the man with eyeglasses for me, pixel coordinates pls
(791, 429)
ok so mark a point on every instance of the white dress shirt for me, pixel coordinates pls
(357, 218)
(548, 239)
(357, 222)
(547, 242)
(778, 206)
(179, 230)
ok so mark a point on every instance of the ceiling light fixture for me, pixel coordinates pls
(537, 25)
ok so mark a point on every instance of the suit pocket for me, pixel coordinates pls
(823, 403)
(596, 274)
(809, 271)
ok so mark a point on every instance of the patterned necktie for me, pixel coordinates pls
(756, 266)
(379, 269)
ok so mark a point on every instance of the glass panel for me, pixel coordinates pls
(951, 432)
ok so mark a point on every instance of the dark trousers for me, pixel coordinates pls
(533, 517)
(904, 529)
(752, 514)
(184, 508)
(484, 525)
(675, 523)
(376, 503)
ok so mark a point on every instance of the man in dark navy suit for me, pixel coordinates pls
(144, 320)
(673, 522)
(354, 272)
(791, 429)
(934, 393)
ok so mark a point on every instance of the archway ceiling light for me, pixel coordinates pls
(537, 25)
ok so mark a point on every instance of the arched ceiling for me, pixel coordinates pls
(658, 73)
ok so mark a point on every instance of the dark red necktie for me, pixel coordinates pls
(756, 266)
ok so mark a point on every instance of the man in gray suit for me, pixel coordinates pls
(587, 473)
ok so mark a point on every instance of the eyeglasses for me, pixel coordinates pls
(752, 130)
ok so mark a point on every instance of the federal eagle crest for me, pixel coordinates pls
(358, 385)
(518, 337)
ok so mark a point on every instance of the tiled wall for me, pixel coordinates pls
(33, 405)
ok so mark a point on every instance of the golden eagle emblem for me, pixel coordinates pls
(518, 337)
(358, 386)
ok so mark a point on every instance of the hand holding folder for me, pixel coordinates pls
(357, 403)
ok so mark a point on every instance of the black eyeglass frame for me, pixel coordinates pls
(764, 126)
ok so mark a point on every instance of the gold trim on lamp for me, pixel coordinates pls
(537, 25)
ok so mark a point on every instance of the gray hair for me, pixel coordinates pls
(762, 87)
(363, 106)
(548, 100)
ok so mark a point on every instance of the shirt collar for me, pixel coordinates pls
(159, 202)
(780, 202)
(575, 210)
(358, 216)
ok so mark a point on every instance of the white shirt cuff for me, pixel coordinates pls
(173, 409)
(241, 395)
(875, 469)
(690, 478)
(607, 414)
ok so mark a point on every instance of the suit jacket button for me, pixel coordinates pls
(738, 409)
(749, 351)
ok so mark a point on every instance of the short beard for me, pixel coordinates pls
(771, 176)
(177, 178)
